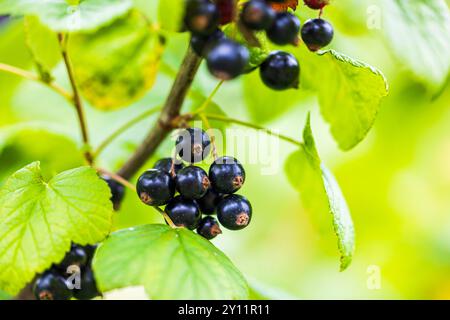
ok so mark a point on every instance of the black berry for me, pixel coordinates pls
(280, 71)
(285, 29)
(117, 191)
(257, 15)
(155, 187)
(184, 212)
(76, 256)
(202, 44)
(192, 182)
(208, 203)
(202, 16)
(316, 4)
(227, 59)
(88, 285)
(51, 286)
(317, 33)
(165, 165)
(209, 228)
(227, 175)
(234, 212)
(193, 145)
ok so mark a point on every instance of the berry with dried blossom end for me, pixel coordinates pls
(192, 182)
(155, 187)
(209, 228)
(227, 175)
(234, 212)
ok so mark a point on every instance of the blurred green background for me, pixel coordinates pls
(396, 182)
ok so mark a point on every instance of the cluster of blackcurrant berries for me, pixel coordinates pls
(53, 283)
(200, 193)
(227, 59)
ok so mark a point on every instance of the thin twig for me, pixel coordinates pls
(31, 76)
(208, 100)
(76, 97)
(108, 140)
(253, 126)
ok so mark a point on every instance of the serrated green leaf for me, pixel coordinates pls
(118, 64)
(321, 193)
(39, 219)
(170, 14)
(350, 93)
(43, 46)
(169, 263)
(419, 34)
(68, 16)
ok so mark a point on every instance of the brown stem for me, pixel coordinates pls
(76, 98)
(170, 112)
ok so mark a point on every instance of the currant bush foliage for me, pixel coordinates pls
(69, 15)
(39, 219)
(169, 263)
(419, 34)
(321, 194)
(349, 92)
(127, 56)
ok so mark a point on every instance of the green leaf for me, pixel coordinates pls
(321, 194)
(118, 64)
(350, 93)
(43, 46)
(39, 219)
(70, 16)
(419, 34)
(170, 14)
(169, 263)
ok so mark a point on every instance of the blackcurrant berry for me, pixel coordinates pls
(317, 33)
(285, 29)
(202, 44)
(155, 187)
(202, 16)
(208, 203)
(76, 256)
(209, 228)
(227, 59)
(316, 4)
(88, 286)
(117, 191)
(184, 212)
(192, 182)
(51, 286)
(234, 212)
(257, 15)
(165, 165)
(227, 175)
(280, 71)
(193, 145)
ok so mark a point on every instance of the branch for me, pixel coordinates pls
(31, 76)
(170, 112)
(76, 97)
